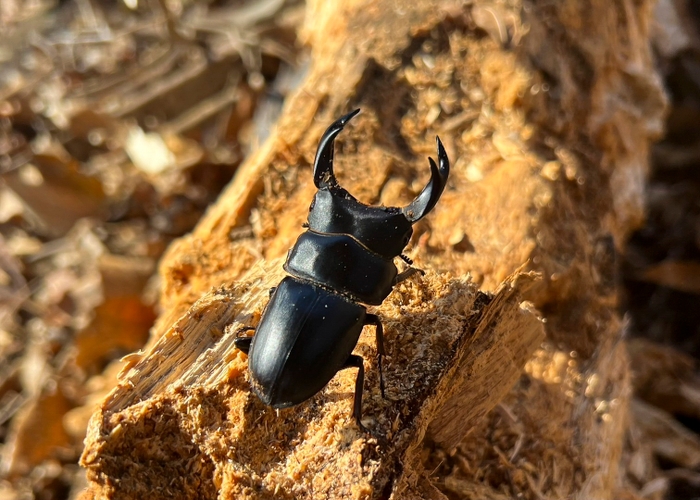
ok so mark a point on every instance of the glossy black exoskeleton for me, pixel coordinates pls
(345, 259)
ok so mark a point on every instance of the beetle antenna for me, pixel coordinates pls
(323, 164)
(430, 195)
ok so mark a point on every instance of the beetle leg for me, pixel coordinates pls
(243, 343)
(373, 319)
(272, 291)
(355, 361)
(406, 259)
(407, 274)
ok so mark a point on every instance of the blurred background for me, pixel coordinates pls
(120, 122)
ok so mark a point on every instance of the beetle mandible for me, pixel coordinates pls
(344, 259)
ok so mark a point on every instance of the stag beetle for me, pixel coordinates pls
(345, 259)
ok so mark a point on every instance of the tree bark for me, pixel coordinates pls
(546, 110)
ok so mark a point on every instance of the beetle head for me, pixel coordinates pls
(384, 230)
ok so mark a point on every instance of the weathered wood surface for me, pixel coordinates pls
(546, 111)
(182, 419)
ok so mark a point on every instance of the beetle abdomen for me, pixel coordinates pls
(340, 262)
(305, 336)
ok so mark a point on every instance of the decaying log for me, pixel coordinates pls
(183, 422)
(546, 111)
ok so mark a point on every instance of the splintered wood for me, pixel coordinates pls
(548, 147)
(184, 423)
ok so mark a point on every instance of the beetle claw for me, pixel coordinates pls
(362, 427)
(244, 329)
(404, 275)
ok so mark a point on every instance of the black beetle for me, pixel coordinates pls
(345, 259)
